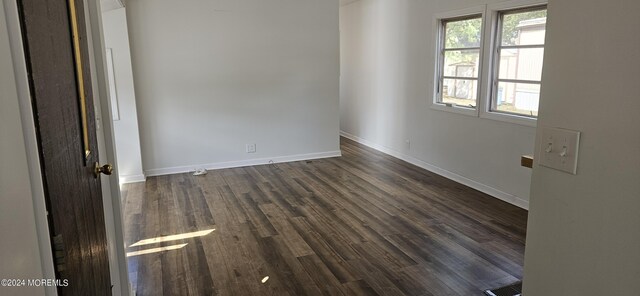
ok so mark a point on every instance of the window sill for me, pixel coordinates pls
(510, 118)
(455, 109)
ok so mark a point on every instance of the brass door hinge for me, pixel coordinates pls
(59, 253)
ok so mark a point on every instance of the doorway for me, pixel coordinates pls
(64, 139)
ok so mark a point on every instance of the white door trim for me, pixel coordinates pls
(106, 146)
(30, 141)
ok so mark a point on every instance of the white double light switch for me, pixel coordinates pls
(559, 149)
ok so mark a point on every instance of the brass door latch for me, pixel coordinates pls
(106, 169)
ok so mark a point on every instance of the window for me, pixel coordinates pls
(519, 53)
(459, 61)
(509, 88)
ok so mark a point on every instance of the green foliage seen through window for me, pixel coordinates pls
(510, 23)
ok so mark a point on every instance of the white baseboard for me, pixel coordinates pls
(241, 163)
(507, 197)
(132, 179)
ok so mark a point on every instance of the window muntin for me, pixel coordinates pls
(518, 63)
(459, 62)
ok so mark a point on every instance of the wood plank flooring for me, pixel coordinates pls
(362, 224)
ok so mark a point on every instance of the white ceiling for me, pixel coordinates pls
(345, 2)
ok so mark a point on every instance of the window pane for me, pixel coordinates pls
(464, 33)
(518, 98)
(461, 92)
(524, 28)
(521, 63)
(461, 63)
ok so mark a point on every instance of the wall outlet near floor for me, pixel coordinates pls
(407, 144)
(251, 148)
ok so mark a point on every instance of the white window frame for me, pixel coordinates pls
(490, 21)
(491, 42)
(438, 34)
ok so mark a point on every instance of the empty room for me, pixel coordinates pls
(320, 147)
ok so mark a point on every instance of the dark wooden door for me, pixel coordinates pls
(56, 50)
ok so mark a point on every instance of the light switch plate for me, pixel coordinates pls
(559, 149)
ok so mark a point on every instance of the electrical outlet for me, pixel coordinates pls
(251, 148)
(407, 144)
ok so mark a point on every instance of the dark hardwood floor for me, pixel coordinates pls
(361, 224)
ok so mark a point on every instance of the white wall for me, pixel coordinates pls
(116, 37)
(19, 252)
(387, 65)
(213, 76)
(584, 231)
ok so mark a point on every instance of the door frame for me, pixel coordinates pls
(106, 146)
